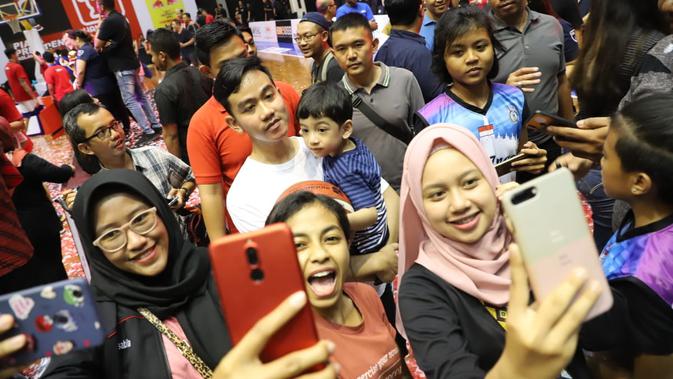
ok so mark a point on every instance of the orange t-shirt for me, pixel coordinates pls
(217, 152)
(368, 350)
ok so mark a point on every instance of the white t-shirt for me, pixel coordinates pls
(258, 185)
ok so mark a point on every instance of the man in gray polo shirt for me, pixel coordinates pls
(532, 58)
(393, 93)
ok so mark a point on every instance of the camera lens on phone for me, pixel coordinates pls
(251, 252)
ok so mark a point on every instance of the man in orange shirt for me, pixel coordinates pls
(57, 78)
(19, 82)
(217, 152)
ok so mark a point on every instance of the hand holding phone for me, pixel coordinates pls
(55, 319)
(263, 268)
(505, 167)
(549, 226)
(541, 120)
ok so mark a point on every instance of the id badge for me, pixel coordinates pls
(487, 140)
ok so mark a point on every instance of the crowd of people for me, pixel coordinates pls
(423, 268)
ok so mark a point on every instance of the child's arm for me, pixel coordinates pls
(362, 219)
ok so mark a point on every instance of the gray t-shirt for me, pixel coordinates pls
(540, 45)
(395, 97)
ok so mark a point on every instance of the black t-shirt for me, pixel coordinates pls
(185, 35)
(119, 54)
(244, 10)
(568, 10)
(182, 92)
(98, 78)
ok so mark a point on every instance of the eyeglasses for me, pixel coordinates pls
(306, 37)
(113, 240)
(105, 132)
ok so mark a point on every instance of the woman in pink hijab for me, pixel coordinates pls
(455, 267)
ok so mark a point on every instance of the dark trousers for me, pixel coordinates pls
(113, 102)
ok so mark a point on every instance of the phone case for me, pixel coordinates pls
(58, 318)
(541, 120)
(505, 167)
(255, 272)
(554, 238)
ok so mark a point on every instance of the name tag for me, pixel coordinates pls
(487, 140)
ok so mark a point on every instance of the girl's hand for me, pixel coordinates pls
(541, 339)
(10, 345)
(501, 189)
(578, 166)
(535, 161)
(243, 360)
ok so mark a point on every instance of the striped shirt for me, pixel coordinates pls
(358, 175)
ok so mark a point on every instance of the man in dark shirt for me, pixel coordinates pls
(186, 38)
(182, 92)
(312, 40)
(406, 48)
(115, 41)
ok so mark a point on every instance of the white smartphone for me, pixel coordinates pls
(553, 235)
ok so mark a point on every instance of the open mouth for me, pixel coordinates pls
(323, 283)
(146, 256)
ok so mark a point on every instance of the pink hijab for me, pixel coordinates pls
(479, 269)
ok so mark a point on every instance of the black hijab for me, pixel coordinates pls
(184, 289)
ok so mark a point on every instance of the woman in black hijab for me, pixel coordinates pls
(141, 266)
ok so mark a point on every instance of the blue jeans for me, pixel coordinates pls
(591, 186)
(135, 100)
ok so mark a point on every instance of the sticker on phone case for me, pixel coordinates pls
(62, 347)
(63, 320)
(72, 295)
(21, 306)
(48, 293)
(44, 323)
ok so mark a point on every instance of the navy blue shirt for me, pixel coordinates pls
(98, 79)
(407, 50)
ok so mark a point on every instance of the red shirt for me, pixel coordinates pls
(369, 349)
(209, 18)
(58, 77)
(217, 152)
(14, 71)
(8, 108)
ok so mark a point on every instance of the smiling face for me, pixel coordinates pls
(436, 7)
(459, 203)
(324, 136)
(146, 254)
(322, 249)
(103, 148)
(354, 50)
(469, 58)
(312, 39)
(258, 108)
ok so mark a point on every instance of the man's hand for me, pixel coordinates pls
(180, 196)
(525, 78)
(578, 166)
(534, 161)
(587, 140)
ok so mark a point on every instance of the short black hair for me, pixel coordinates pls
(297, 201)
(349, 21)
(245, 29)
(73, 99)
(646, 140)
(10, 51)
(77, 135)
(48, 57)
(454, 23)
(108, 4)
(211, 36)
(187, 14)
(164, 40)
(325, 100)
(229, 78)
(81, 34)
(402, 12)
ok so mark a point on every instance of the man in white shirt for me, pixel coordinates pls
(246, 90)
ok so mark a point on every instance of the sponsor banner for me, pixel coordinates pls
(284, 31)
(163, 12)
(264, 31)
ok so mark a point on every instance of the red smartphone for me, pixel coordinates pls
(541, 120)
(254, 273)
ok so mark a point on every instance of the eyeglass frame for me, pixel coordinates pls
(106, 130)
(125, 229)
(305, 37)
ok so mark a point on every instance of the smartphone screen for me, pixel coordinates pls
(541, 120)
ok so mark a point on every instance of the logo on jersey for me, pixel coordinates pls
(513, 114)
